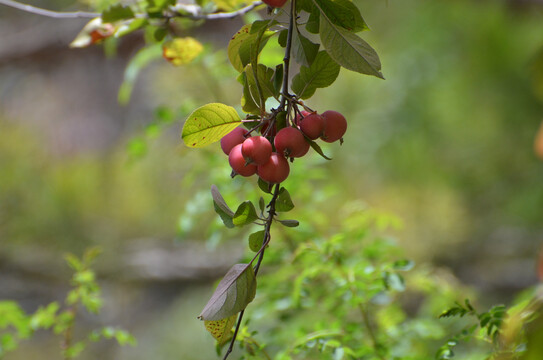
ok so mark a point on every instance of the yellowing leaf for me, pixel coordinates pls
(208, 124)
(220, 329)
(181, 51)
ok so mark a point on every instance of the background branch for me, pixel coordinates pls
(49, 13)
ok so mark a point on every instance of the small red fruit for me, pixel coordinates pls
(275, 3)
(276, 170)
(233, 138)
(291, 142)
(300, 116)
(238, 163)
(335, 126)
(256, 150)
(312, 126)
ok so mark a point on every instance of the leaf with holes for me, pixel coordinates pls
(208, 124)
(234, 292)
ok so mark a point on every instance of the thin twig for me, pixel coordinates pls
(260, 254)
(49, 13)
(90, 15)
(225, 15)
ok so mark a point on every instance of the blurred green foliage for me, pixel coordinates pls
(445, 142)
(16, 325)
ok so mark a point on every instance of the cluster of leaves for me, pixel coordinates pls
(16, 324)
(512, 333)
(337, 296)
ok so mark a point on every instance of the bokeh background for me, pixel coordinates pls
(445, 143)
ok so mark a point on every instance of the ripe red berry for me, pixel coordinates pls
(275, 3)
(238, 163)
(290, 141)
(312, 126)
(335, 126)
(300, 116)
(276, 170)
(233, 138)
(256, 150)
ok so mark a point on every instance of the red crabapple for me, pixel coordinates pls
(276, 170)
(274, 3)
(312, 126)
(300, 116)
(335, 126)
(256, 150)
(290, 141)
(233, 138)
(238, 163)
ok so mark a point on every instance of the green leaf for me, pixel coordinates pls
(234, 292)
(278, 79)
(240, 51)
(245, 214)
(44, 318)
(403, 265)
(256, 240)
(289, 223)
(265, 79)
(282, 38)
(322, 73)
(317, 148)
(130, 26)
(349, 50)
(221, 329)
(261, 204)
(222, 208)
(155, 7)
(255, 94)
(342, 13)
(313, 22)
(117, 12)
(208, 124)
(283, 202)
(248, 103)
(303, 50)
(265, 186)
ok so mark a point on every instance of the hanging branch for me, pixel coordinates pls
(49, 13)
(267, 238)
(91, 15)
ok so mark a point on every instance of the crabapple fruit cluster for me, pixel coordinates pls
(266, 154)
